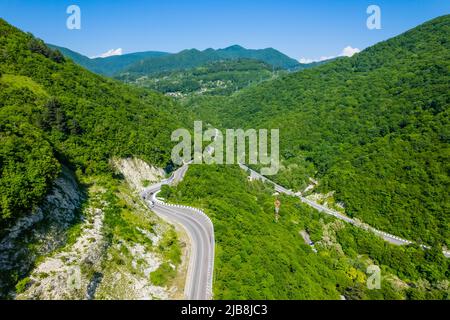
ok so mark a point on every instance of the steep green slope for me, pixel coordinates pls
(375, 127)
(193, 58)
(257, 258)
(52, 112)
(76, 57)
(110, 65)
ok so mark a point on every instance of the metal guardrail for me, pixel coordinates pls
(386, 236)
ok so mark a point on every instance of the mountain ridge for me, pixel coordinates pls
(150, 62)
(110, 65)
(191, 58)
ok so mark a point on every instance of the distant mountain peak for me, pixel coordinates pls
(235, 47)
(146, 63)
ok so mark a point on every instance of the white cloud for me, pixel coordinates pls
(346, 52)
(109, 53)
(349, 51)
(306, 60)
(323, 58)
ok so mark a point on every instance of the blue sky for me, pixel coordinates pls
(309, 29)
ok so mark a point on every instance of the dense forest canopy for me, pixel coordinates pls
(259, 258)
(374, 128)
(54, 112)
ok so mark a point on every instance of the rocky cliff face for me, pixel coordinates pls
(39, 233)
(138, 173)
(75, 271)
(102, 243)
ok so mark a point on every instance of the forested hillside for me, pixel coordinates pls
(208, 72)
(111, 65)
(188, 59)
(53, 112)
(215, 78)
(374, 128)
(259, 258)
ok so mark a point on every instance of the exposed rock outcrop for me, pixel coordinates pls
(40, 232)
(138, 173)
(60, 276)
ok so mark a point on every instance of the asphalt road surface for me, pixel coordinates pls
(200, 230)
(386, 236)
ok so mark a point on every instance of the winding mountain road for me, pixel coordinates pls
(200, 230)
(386, 236)
(198, 227)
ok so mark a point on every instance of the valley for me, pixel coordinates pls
(218, 78)
(93, 205)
